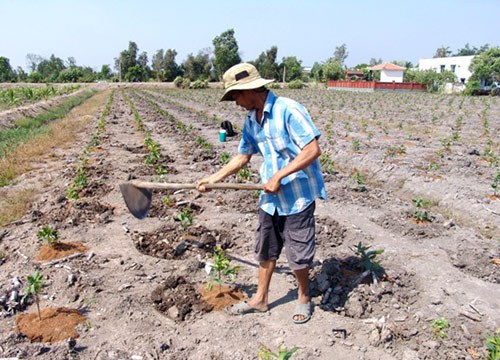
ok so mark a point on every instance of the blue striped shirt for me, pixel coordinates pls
(285, 129)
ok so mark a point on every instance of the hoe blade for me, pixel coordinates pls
(138, 200)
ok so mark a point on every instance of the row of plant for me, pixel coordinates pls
(19, 95)
(80, 180)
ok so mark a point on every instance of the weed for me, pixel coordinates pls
(33, 289)
(202, 143)
(224, 158)
(160, 170)
(185, 217)
(283, 353)
(492, 347)
(221, 269)
(356, 145)
(439, 327)
(49, 234)
(358, 178)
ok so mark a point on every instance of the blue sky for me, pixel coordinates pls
(95, 31)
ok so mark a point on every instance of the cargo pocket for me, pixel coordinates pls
(301, 247)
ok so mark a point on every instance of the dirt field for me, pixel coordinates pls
(137, 282)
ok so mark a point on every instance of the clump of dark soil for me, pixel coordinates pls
(178, 299)
(174, 243)
(80, 212)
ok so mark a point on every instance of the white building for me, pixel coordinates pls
(456, 64)
(389, 72)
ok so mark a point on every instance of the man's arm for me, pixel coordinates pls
(232, 167)
(307, 155)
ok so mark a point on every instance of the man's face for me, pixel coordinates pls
(242, 98)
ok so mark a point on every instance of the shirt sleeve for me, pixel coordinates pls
(300, 126)
(247, 143)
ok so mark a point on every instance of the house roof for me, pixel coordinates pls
(387, 66)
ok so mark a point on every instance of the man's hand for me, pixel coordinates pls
(273, 185)
(200, 185)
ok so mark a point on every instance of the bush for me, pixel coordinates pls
(296, 84)
(274, 85)
(200, 84)
(178, 82)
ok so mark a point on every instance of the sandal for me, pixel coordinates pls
(242, 308)
(304, 310)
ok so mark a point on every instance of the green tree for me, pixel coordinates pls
(266, 63)
(332, 70)
(197, 67)
(32, 60)
(290, 69)
(105, 72)
(51, 68)
(158, 65)
(126, 60)
(6, 72)
(21, 75)
(225, 52)
(486, 66)
(317, 72)
(434, 81)
(467, 50)
(443, 51)
(374, 61)
(340, 54)
(172, 70)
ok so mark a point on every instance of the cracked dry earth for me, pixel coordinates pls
(138, 282)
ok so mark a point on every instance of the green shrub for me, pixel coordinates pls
(200, 84)
(274, 85)
(296, 84)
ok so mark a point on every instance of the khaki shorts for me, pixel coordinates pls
(296, 233)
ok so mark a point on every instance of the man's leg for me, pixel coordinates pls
(261, 300)
(302, 276)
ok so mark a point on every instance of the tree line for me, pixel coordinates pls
(209, 64)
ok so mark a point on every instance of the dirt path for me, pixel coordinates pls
(434, 270)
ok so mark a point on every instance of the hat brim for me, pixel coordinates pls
(255, 84)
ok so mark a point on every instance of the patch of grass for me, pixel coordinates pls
(25, 145)
(14, 205)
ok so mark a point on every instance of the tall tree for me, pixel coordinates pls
(443, 51)
(374, 61)
(51, 68)
(340, 54)
(467, 50)
(290, 69)
(332, 70)
(197, 67)
(126, 60)
(266, 63)
(158, 65)
(171, 69)
(105, 72)
(6, 73)
(225, 52)
(486, 66)
(32, 60)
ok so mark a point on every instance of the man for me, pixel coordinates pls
(282, 132)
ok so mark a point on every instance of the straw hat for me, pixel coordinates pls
(242, 76)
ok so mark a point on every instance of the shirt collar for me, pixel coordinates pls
(268, 105)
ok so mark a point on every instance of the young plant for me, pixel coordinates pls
(49, 234)
(33, 289)
(224, 158)
(185, 217)
(359, 181)
(283, 353)
(368, 258)
(420, 214)
(493, 347)
(327, 163)
(244, 174)
(439, 327)
(221, 269)
(496, 184)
